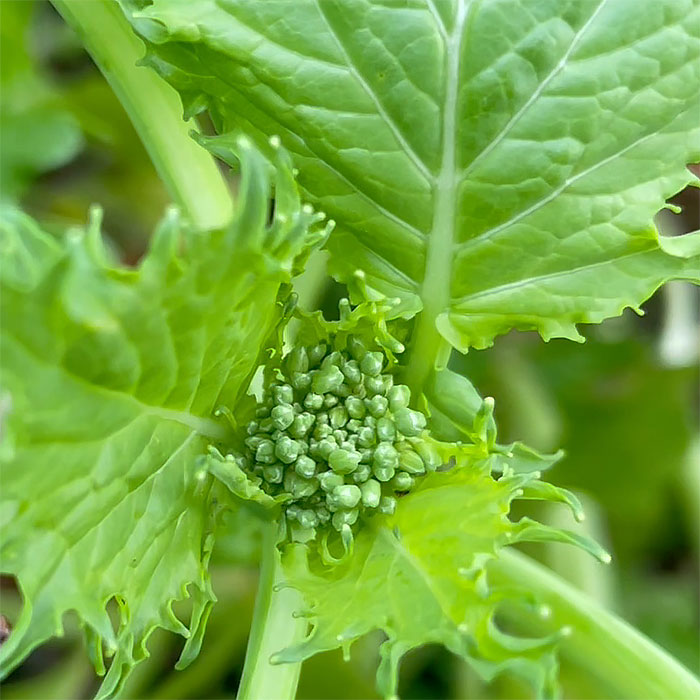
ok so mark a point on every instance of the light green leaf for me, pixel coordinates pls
(497, 163)
(421, 577)
(114, 375)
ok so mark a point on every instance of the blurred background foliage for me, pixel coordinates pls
(624, 407)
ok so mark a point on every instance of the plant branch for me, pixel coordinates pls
(274, 628)
(188, 171)
(626, 662)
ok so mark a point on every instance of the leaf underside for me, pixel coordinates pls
(496, 163)
(113, 376)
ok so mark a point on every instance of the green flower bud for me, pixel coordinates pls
(253, 442)
(323, 514)
(265, 452)
(322, 418)
(371, 364)
(305, 466)
(273, 473)
(262, 412)
(283, 394)
(366, 455)
(383, 473)
(330, 400)
(293, 511)
(343, 462)
(410, 423)
(298, 486)
(370, 422)
(366, 437)
(386, 456)
(402, 482)
(301, 381)
(316, 354)
(322, 431)
(287, 450)
(302, 534)
(374, 386)
(313, 402)
(347, 495)
(411, 462)
(335, 358)
(353, 425)
(338, 417)
(344, 517)
(266, 426)
(327, 380)
(387, 383)
(252, 427)
(340, 435)
(302, 424)
(399, 397)
(330, 480)
(307, 519)
(298, 360)
(362, 473)
(343, 391)
(326, 447)
(429, 454)
(387, 506)
(386, 432)
(352, 372)
(371, 493)
(282, 416)
(355, 407)
(356, 347)
(377, 406)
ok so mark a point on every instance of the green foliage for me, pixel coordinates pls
(113, 375)
(491, 164)
(497, 164)
(38, 132)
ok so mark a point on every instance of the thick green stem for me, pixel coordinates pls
(188, 171)
(274, 628)
(626, 662)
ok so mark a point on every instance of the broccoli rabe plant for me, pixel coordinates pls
(488, 165)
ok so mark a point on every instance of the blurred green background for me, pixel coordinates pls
(624, 406)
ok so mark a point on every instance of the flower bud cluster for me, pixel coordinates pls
(336, 435)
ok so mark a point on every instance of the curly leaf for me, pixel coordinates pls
(421, 577)
(497, 163)
(114, 375)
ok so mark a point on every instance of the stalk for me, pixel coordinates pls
(188, 171)
(274, 628)
(628, 664)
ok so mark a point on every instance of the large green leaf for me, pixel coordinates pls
(497, 163)
(113, 376)
(421, 576)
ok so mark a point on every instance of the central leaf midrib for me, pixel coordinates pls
(435, 289)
